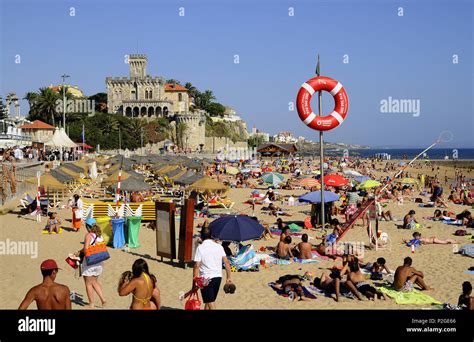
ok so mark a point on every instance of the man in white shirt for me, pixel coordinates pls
(208, 264)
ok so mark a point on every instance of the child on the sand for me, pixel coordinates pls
(53, 224)
(466, 301)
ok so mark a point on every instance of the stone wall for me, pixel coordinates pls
(216, 144)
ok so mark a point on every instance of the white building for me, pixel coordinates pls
(285, 137)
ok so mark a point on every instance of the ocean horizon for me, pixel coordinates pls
(435, 153)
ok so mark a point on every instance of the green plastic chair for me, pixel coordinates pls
(133, 223)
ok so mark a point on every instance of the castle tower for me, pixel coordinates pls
(193, 135)
(137, 65)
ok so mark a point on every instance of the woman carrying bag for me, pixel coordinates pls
(93, 254)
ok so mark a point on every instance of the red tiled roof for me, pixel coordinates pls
(174, 87)
(37, 124)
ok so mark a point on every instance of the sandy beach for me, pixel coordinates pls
(444, 270)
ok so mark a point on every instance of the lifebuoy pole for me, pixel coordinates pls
(321, 147)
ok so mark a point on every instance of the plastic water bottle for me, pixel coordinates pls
(413, 248)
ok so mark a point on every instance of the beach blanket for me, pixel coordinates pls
(294, 227)
(292, 233)
(413, 297)
(467, 250)
(307, 261)
(46, 232)
(453, 222)
(272, 259)
(245, 258)
(309, 291)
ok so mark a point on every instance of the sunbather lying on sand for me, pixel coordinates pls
(332, 284)
(291, 284)
(417, 239)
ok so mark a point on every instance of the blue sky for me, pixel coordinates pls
(403, 57)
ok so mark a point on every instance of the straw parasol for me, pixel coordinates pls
(48, 181)
(63, 177)
(69, 172)
(131, 184)
(207, 184)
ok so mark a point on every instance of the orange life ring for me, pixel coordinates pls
(303, 103)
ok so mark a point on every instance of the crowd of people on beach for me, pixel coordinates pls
(355, 204)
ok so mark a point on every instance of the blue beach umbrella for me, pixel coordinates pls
(236, 228)
(360, 179)
(315, 197)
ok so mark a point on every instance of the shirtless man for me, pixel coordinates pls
(284, 249)
(409, 220)
(356, 277)
(48, 295)
(304, 248)
(406, 277)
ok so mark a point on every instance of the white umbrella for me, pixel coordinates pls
(351, 173)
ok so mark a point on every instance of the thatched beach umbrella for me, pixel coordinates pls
(207, 184)
(48, 181)
(131, 184)
(63, 177)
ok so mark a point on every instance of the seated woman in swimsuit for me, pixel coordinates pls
(453, 197)
(53, 224)
(417, 239)
(142, 285)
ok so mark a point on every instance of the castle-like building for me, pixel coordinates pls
(147, 97)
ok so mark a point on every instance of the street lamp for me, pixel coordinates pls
(64, 76)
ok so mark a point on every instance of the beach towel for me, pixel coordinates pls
(294, 227)
(307, 261)
(46, 232)
(308, 292)
(271, 259)
(245, 258)
(453, 222)
(467, 250)
(469, 272)
(415, 297)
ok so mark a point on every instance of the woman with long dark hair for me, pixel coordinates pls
(142, 285)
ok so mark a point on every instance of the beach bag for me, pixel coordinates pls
(460, 232)
(193, 303)
(96, 253)
(418, 200)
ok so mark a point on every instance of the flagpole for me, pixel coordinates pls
(321, 147)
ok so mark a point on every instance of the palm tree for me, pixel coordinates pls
(135, 127)
(32, 98)
(47, 104)
(173, 81)
(109, 125)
